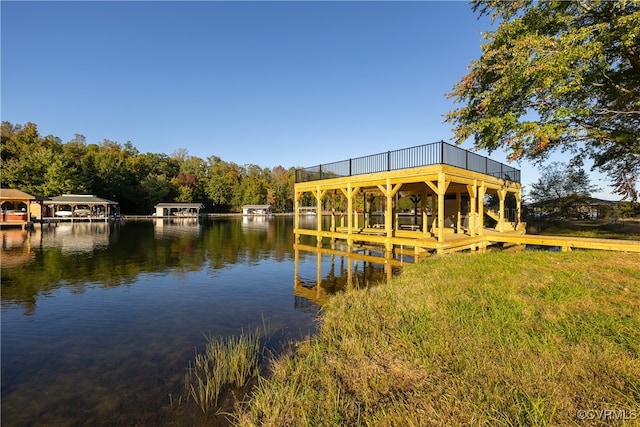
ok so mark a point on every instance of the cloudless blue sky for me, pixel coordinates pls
(265, 83)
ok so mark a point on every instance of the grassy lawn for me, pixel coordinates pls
(498, 339)
(628, 229)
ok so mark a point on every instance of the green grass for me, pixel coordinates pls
(623, 229)
(505, 339)
(225, 362)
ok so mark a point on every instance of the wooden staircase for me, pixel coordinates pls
(505, 225)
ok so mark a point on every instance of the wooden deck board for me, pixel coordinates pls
(457, 242)
(568, 242)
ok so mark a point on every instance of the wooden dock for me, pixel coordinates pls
(363, 202)
(415, 244)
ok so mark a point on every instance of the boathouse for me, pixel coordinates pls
(178, 209)
(429, 198)
(86, 207)
(15, 206)
(257, 210)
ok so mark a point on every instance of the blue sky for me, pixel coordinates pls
(265, 83)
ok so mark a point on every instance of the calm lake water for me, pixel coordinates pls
(100, 321)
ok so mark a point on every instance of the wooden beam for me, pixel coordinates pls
(389, 190)
(432, 186)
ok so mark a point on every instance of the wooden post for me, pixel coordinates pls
(434, 211)
(333, 212)
(349, 215)
(396, 219)
(481, 193)
(296, 216)
(459, 209)
(318, 195)
(434, 208)
(518, 207)
(440, 208)
(501, 195)
(471, 189)
(423, 209)
(388, 217)
(366, 216)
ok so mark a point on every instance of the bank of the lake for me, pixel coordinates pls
(530, 338)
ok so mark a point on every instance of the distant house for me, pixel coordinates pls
(307, 210)
(581, 208)
(596, 208)
(257, 210)
(178, 209)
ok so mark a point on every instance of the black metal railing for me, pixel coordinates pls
(435, 153)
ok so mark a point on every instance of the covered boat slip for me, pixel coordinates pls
(444, 186)
(181, 210)
(79, 207)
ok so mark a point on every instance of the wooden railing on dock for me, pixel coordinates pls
(435, 153)
(566, 243)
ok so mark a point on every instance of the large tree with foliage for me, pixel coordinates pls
(557, 75)
(222, 181)
(561, 189)
(280, 189)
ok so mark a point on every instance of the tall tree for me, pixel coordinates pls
(222, 180)
(191, 178)
(113, 179)
(561, 188)
(280, 190)
(29, 161)
(557, 75)
(154, 173)
(253, 187)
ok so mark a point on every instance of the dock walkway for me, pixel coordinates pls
(460, 242)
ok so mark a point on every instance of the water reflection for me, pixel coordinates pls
(337, 269)
(16, 248)
(76, 237)
(257, 222)
(99, 321)
(177, 226)
(112, 254)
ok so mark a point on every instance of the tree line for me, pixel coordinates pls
(45, 166)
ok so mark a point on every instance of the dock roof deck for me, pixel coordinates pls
(445, 184)
(436, 153)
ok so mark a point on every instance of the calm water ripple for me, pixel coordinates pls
(99, 321)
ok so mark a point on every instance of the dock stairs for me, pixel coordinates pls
(505, 225)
